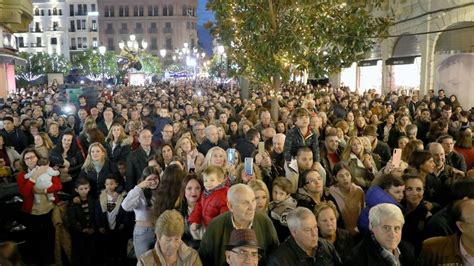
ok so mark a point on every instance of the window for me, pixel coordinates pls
(84, 7)
(94, 25)
(155, 11)
(170, 10)
(120, 11)
(165, 10)
(138, 28)
(42, 12)
(38, 42)
(55, 25)
(126, 11)
(150, 11)
(135, 11)
(109, 29)
(93, 7)
(71, 10)
(37, 27)
(84, 42)
(49, 12)
(83, 24)
(73, 43)
(153, 28)
(60, 12)
(169, 44)
(55, 11)
(54, 41)
(106, 11)
(154, 44)
(21, 42)
(185, 10)
(37, 12)
(124, 26)
(112, 11)
(140, 11)
(94, 42)
(79, 10)
(78, 24)
(79, 42)
(73, 28)
(110, 44)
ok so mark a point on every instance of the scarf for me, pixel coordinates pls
(389, 258)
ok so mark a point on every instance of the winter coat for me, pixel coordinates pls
(442, 250)
(75, 159)
(245, 148)
(209, 207)
(375, 195)
(120, 152)
(137, 160)
(121, 216)
(25, 187)
(186, 257)
(207, 145)
(97, 180)
(295, 140)
(361, 176)
(77, 218)
(16, 139)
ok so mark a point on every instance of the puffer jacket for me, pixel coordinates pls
(209, 207)
(374, 196)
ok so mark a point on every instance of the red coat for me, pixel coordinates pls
(25, 187)
(209, 207)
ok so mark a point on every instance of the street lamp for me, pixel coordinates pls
(163, 53)
(102, 50)
(132, 44)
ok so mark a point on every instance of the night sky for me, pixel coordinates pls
(205, 37)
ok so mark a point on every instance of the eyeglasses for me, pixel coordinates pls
(313, 181)
(244, 255)
(30, 158)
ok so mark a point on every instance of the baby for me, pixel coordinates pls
(44, 181)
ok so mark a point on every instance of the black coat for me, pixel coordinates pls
(207, 145)
(245, 148)
(366, 253)
(119, 153)
(383, 150)
(74, 158)
(103, 128)
(137, 160)
(97, 180)
(16, 139)
(456, 160)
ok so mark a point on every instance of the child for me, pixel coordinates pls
(81, 220)
(112, 218)
(280, 206)
(44, 181)
(213, 200)
(5, 172)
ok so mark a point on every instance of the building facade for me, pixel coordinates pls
(432, 47)
(82, 16)
(15, 16)
(163, 24)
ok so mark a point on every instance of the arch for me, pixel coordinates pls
(460, 41)
(407, 45)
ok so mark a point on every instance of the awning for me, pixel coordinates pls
(12, 59)
(406, 60)
(369, 62)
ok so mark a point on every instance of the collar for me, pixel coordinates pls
(300, 253)
(467, 259)
(235, 226)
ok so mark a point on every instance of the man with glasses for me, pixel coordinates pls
(383, 245)
(304, 247)
(243, 248)
(241, 215)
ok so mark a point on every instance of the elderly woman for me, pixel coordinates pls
(383, 245)
(169, 248)
(262, 195)
(38, 209)
(327, 216)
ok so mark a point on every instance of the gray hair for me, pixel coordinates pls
(385, 211)
(295, 217)
(208, 128)
(235, 190)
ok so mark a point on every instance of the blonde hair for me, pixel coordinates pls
(123, 135)
(46, 140)
(257, 185)
(89, 164)
(207, 159)
(240, 168)
(170, 223)
(179, 144)
(348, 150)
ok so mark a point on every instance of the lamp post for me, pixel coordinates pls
(133, 45)
(102, 50)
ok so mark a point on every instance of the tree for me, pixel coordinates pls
(38, 64)
(150, 64)
(267, 39)
(90, 63)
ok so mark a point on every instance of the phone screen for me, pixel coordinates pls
(249, 166)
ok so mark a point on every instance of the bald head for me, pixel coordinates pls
(268, 133)
(278, 142)
(438, 154)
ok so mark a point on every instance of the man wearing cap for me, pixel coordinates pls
(242, 248)
(242, 215)
(304, 247)
(379, 148)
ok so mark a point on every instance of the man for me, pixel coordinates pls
(438, 182)
(341, 110)
(13, 136)
(304, 159)
(383, 245)
(212, 140)
(137, 160)
(456, 74)
(166, 136)
(379, 148)
(249, 144)
(441, 97)
(446, 114)
(223, 121)
(456, 249)
(268, 133)
(198, 130)
(243, 248)
(265, 121)
(442, 223)
(330, 155)
(160, 123)
(423, 123)
(105, 125)
(278, 160)
(304, 247)
(241, 215)
(82, 114)
(453, 158)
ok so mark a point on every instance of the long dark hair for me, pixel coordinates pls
(149, 170)
(59, 147)
(167, 193)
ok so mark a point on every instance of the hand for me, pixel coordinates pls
(194, 226)
(76, 200)
(367, 161)
(39, 171)
(102, 230)
(148, 182)
(428, 205)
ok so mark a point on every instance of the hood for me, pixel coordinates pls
(376, 195)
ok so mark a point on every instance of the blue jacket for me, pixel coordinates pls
(375, 195)
(160, 123)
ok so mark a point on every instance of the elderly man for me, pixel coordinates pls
(383, 245)
(242, 215)
(456, 249)
(137, 160)
(304, 247)
(105, 125)
(169, 249)
(212, 140)
(277, 155)
(242, 248)
(265, 121)
(453, 158)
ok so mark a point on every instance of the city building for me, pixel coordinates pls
(431, 47)
(162, 24)
(15, 16)
(82, 16)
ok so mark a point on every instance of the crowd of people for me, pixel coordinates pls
(188, 173)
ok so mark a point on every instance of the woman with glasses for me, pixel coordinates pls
(311, 191)
(37, 207)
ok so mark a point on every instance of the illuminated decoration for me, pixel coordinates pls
(129, 54)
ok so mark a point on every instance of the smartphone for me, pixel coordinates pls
(231, 156)
(248, 166)
(261, 147)
(397, 157)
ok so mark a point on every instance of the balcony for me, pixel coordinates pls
(138, 30)
(36, 45)
(153, 30)
(123, 31)
(72, 29)
(36, 30)
(80, 14)
(92, 30)
(54, 29)
(73, 48)
(168, 30)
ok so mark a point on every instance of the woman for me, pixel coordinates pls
(62, 123)
(351, 122)
(463, 146)
(311, 190)
(416, 211)
(243, 177)
(187, 150)
(349, 197)
(140, 201)
(68, 157)
(191, 188)
(361, 165)
(8, 154)
(437, 129)
(170, 184)
(97, 168)
(38, 209)
(233, 133)
(43, 144)
(327, 216)
(167, 153)
(169, 248)
(410, 147)
(436, 191)
(217, 156)
(398, 130)
(360, 126)
(281, 127)
(262, 195)
(73, 124)
(386, 189)
(84, 140)
(383, 129)
(117, 144)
